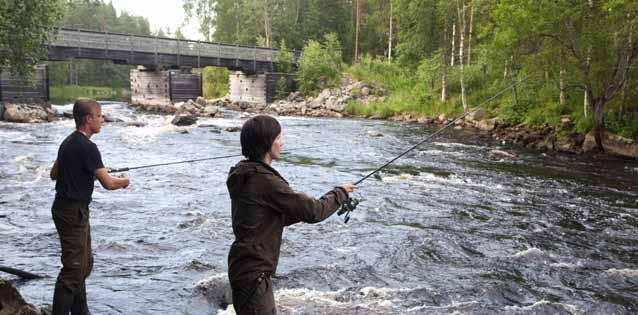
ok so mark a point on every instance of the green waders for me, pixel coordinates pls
(256, 298)
(71, 219)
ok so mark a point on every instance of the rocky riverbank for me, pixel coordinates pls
(12, 302)
(333, 102)
(27, 113)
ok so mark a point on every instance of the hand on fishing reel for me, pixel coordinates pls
(348, 206)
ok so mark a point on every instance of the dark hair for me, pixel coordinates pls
(81, 108)
(258, 135)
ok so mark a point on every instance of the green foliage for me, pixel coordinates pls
(285, 59)
(68, 93)
(282, 88)
(320, 65)
(24, 26)
(215, 81)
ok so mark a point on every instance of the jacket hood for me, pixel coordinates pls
(243, 171)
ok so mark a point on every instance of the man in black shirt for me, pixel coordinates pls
(77, 166)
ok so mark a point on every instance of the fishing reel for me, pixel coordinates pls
(347, 207)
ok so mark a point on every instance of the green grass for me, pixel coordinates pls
(68, 93)
(534, 104)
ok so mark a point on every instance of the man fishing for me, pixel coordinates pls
(262, 205)
(77, 166)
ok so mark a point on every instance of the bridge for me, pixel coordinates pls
(157, 56)
(153, 51)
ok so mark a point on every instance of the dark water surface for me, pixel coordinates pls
(445, 230)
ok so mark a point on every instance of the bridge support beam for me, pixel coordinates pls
(163, 87)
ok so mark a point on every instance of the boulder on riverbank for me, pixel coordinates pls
(612, 144)
(12, 303)
(200, 107)
(29, 113)
(184, 120)
(331, 102)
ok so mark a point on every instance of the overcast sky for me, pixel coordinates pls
(160, 14)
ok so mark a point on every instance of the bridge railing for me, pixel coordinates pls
(159, 45)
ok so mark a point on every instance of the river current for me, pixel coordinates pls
(446, 230)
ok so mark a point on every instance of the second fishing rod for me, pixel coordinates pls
(352, 203)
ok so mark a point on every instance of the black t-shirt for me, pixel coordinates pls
(78, 158)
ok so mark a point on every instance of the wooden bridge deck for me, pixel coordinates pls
(157, 51)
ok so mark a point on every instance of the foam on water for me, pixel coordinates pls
(532, 252)
(567, 307)
(433, 180)
(622, 272)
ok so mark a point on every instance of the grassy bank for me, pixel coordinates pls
(534, 103)
(60, 94)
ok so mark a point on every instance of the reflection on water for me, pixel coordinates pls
(444, 230)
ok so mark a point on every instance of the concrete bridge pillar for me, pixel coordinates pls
(163, 87)
(257, 88)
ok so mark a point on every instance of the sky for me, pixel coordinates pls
(160, 14)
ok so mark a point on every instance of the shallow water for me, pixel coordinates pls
(444, 230)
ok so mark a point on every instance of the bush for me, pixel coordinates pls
(215, 82)
(284, 60)
(320, 65)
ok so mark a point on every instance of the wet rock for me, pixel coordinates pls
(182, 131)
(425, 120)
(442, 118)
(488, 124)
(294, 96)
(199, 266)
(232, 129)
(373, 133)
(612, 144)
(12, 303)
(215, 290)
(135, 124)
(110, 119)
(184, 120)
(201, 101)
(500, 154)
(25, 113)
(68, 114)
(566, 122)
(477, 115)
(571, 143)
(211, 110)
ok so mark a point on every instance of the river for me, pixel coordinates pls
(444, 230)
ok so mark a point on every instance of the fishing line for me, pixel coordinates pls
(126, 169)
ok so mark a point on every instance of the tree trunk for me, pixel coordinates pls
(267, 30)
(444, 66)
(453, 44)
(561, 82)
(461, 16)
(390, 37)
(357, 26)
(598, 121)
(469, 39)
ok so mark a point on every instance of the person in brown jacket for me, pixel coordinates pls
(262, 205)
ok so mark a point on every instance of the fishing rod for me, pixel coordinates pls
(126, 169)
(351, 203)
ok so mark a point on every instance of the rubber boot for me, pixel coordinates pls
(80, 306)
(62, 301)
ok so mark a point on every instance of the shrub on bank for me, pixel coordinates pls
(320, 65)
(60, 94)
